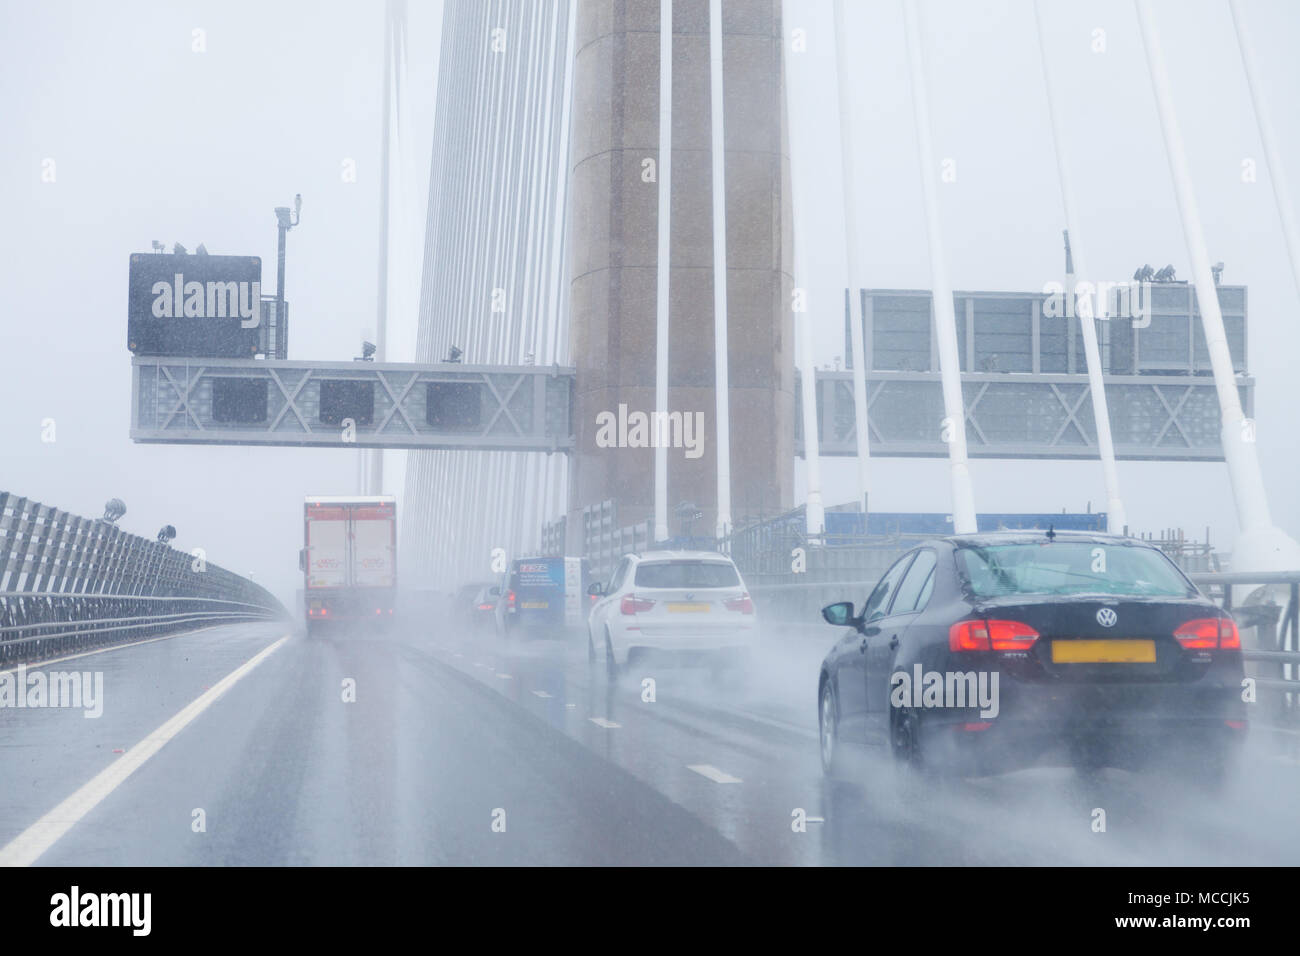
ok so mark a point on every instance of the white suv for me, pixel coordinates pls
(691, 606)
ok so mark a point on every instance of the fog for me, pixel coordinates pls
(152, 140)
(189, 122)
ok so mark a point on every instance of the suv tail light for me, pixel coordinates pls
(1209, 633)
(742, 604)
(991, 636)
(631, 604)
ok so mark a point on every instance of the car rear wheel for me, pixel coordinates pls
(905, 746)
(611, 665)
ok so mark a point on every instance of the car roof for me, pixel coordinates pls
(666, 555)
(992, 538)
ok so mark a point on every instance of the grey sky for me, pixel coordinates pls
(152, 140)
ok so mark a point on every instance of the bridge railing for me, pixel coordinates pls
(68, 583)
(1266, 606)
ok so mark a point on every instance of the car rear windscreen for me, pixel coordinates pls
(1070, 567)
(686, 574)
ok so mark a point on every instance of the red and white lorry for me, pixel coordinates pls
(349, 560)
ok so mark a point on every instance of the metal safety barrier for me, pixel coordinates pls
(68, 583)
(1266, 607)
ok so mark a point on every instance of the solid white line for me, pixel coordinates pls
(602, 722)
(542, 694)
(26, 848)
(713, 773)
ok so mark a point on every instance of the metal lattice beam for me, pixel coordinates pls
(520, 408)
(1153, 417)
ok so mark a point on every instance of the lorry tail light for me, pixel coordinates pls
(991, 636)
(742, 604)
(510, 599)
(631, 604)
(1208, 633)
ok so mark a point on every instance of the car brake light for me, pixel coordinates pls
(1208, 633)
(631, 604)
(991, 636)
(742, 604)
(510, 598)
(485, 607)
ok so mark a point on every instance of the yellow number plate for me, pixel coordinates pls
(530, 605)
(1103, 652)
(696, 608)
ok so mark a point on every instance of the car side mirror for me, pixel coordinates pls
(596, 590)
(302, 559)
(840, 614)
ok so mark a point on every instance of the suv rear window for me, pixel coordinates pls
(686, 574)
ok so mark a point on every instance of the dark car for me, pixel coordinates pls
(474, 607)
(986, 653)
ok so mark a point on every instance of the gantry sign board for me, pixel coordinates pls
(1013, 415)
(194, 305)
(212, 401)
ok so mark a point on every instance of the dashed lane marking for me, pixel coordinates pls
(713, 773)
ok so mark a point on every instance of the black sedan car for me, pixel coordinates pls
(986, 653)
(474, 607)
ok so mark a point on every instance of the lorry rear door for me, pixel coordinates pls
(327, 548)
(372, 548)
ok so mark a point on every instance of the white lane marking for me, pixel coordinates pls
(458, 654)
(505, 677)
(602, 722)
(26, 848)
(542, 694)
(571, 706)
(713, 773)
(117, 647)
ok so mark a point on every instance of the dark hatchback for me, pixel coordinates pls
(986, 653)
